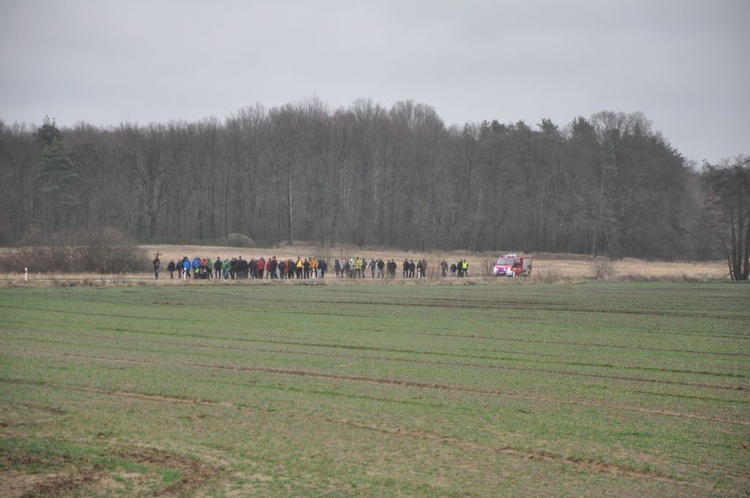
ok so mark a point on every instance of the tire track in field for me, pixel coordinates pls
(574, 364)
(510, 304)
(88, 313)
(733, 374)
(584, 344)
(447, 387)
(304, 311)
(432, 334)
(429, 362)
(535, 306)
(408, 361)
(423, 385)
(609, 468)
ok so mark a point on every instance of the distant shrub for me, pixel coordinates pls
(669, 278)
(547, 276)
(602, 269)
(326, 253)
(488, 267)
(237, 240)
(109, 251)
(95, 251)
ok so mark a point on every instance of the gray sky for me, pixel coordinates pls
(684, 63)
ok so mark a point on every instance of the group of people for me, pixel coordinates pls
(301, 268)
(240, 268)
(360, 267)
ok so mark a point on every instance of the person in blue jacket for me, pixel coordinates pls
(186, 267)
(197, 266)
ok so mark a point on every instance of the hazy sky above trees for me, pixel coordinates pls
(683, 63)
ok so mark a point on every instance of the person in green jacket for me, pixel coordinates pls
(225, 267)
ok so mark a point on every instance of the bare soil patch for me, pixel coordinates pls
(61, 476)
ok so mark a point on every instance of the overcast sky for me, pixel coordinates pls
(684, 63)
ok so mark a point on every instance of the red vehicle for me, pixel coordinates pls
(510, 265)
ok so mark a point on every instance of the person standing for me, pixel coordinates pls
(322, 268)
(306, 268)
(157, 266)
(226, 266)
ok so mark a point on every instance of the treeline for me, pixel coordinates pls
(362, 175)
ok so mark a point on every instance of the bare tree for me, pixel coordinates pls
(142, 151)
(19, 170)
(727, 187)
(285, 158)
(246, 185)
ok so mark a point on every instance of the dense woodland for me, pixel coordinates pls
(362, 175)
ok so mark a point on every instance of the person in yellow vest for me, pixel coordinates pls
(465, 268)
(300, 267)
(358, 268)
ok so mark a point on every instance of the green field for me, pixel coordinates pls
(598, 389)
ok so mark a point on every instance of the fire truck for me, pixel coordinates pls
(510, 265)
